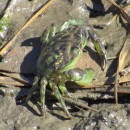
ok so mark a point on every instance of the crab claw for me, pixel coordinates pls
(99, 46)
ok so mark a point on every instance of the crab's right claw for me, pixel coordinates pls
(99, 46)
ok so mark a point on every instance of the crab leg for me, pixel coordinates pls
(43, 84)
(63, 89)
(59, 97)
(35, 84)
(72, 22)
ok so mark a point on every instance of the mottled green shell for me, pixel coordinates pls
(59, 51)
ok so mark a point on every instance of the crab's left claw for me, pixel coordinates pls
(99, 46)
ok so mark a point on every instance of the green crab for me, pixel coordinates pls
(61, 50)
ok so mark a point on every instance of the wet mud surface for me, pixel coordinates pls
(14, 115)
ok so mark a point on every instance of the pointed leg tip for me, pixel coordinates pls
(43, 112)
(69, 115)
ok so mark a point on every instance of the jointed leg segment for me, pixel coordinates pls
(43, 84)
(35, 84)
(59, 97)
